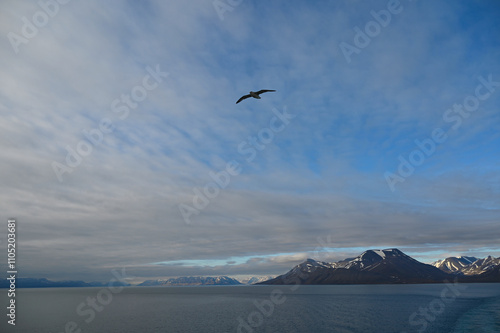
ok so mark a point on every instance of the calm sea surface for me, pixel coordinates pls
(316, 309)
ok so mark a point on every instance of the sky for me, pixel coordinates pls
(122, 146)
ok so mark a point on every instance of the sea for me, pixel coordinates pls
(298, 308)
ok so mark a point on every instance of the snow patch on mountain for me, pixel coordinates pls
(192, 281)
(467, 265)
(256, 279)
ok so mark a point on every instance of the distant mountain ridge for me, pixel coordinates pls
(256, 279)
(371, 267)
(467, 265)
(454, 264)
(192, 281)
(45, 283)
(386, 267)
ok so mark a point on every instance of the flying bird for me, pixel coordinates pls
(254, 94)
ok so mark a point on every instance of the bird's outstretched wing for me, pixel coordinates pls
(263, 91)
(243, 97)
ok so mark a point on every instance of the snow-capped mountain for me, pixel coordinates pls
(256, 279)
(192, 281)
(379, 266)
(310, 265)
(481, 266)
(371, 259)
(365, 261)
(467, 265)
(454, 265)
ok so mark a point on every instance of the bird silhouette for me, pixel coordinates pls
(254, 94)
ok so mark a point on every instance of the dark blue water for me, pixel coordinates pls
(354, 308)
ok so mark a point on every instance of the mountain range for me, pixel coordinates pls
(180, 281)
(44, 283)
(192, 281)
(390, 266)
(256, 279)
(467, 265)
(371, 267)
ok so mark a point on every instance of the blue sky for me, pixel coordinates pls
(321, 173)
